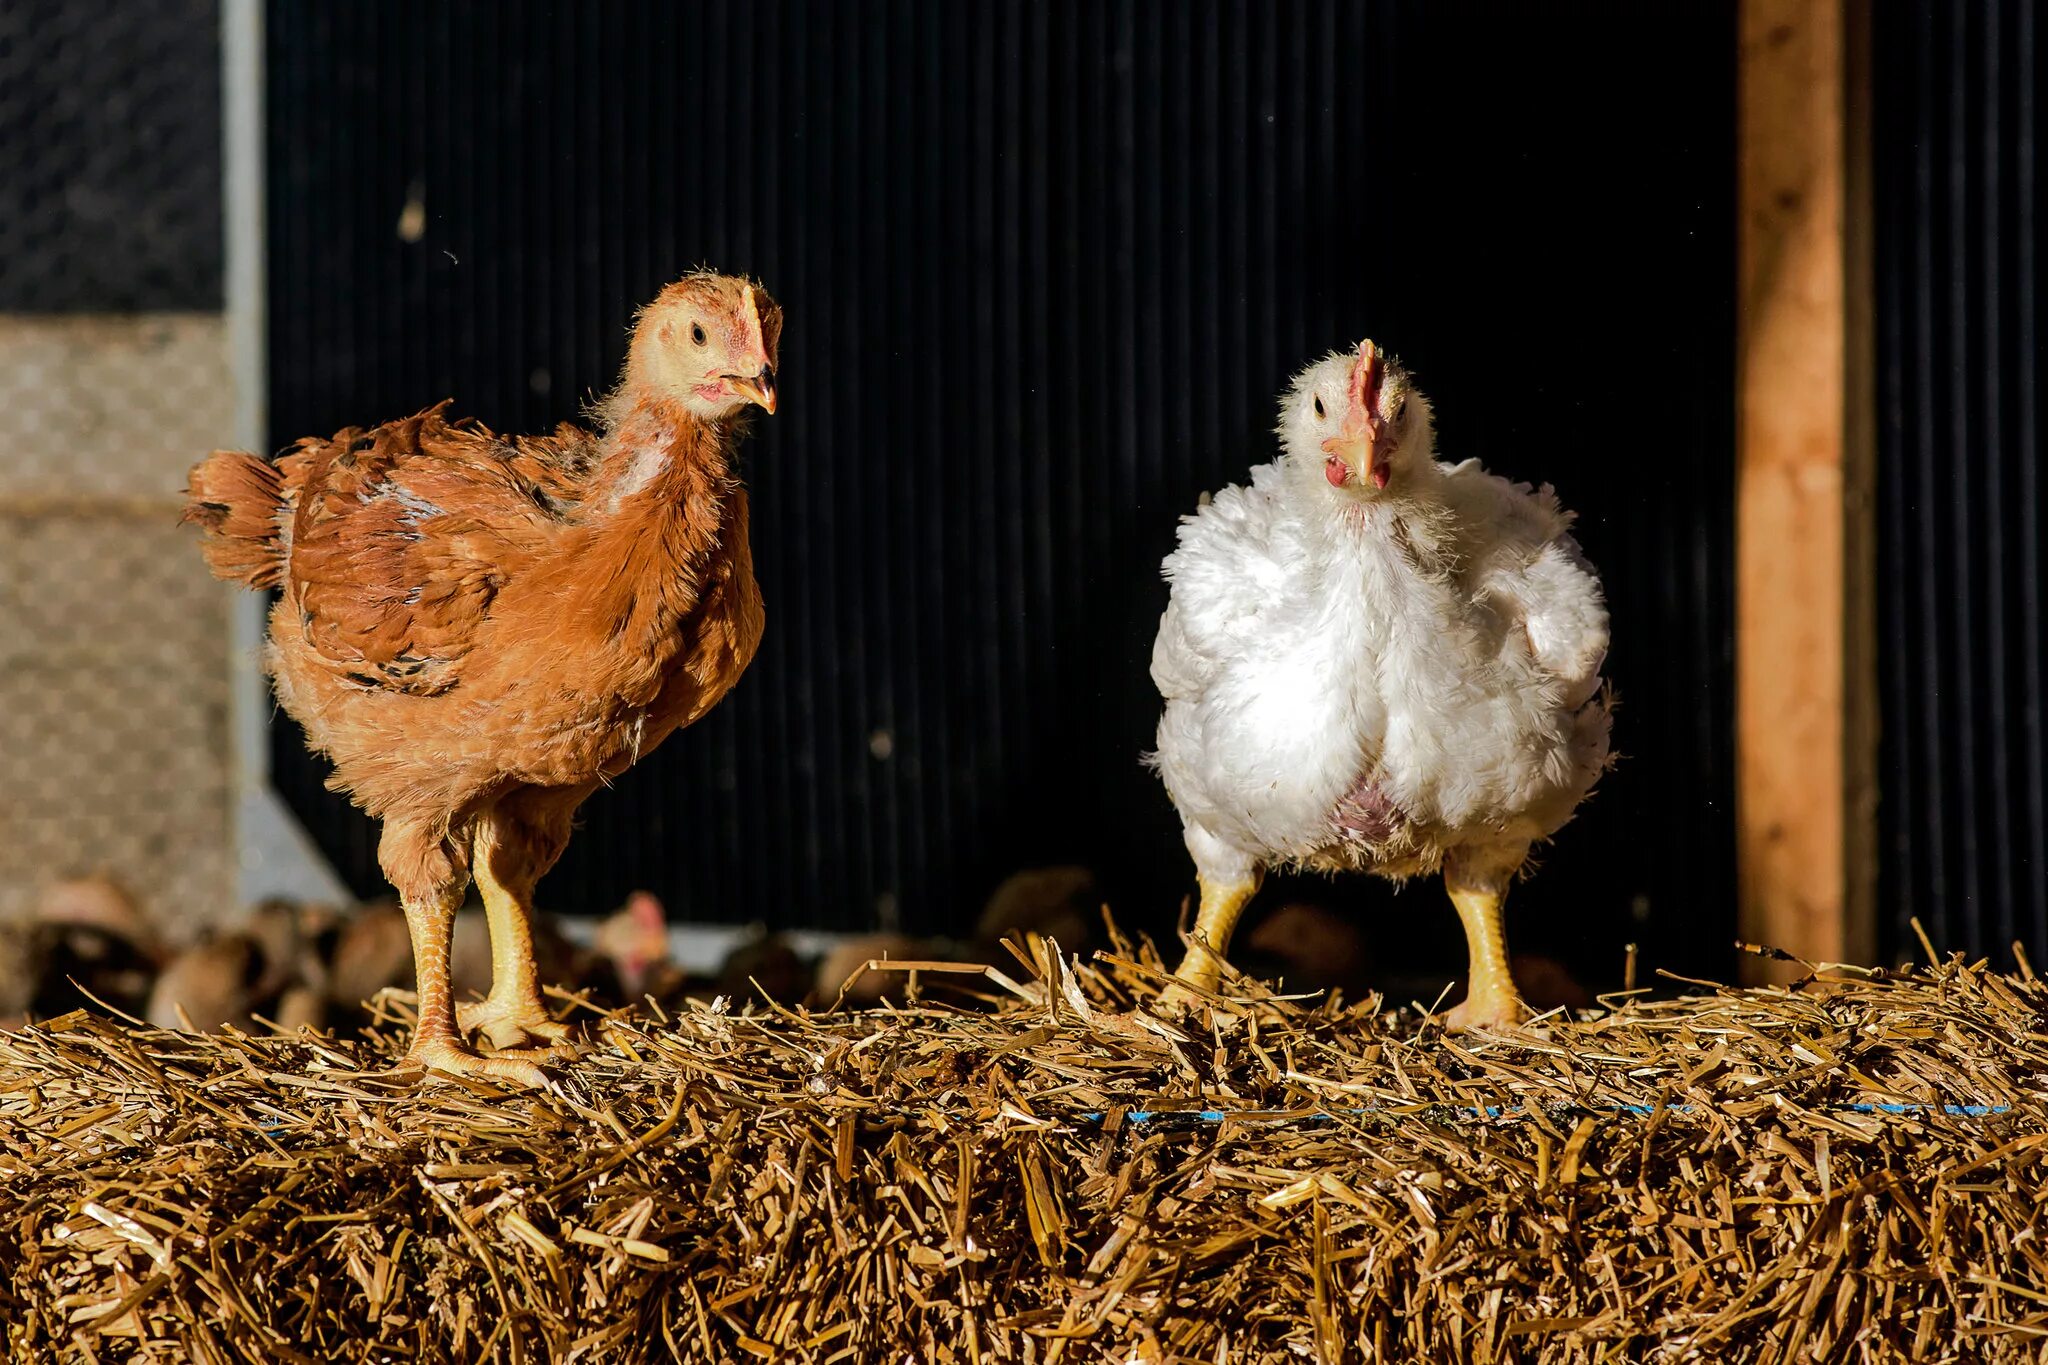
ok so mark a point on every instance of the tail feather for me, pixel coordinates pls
(235, 498)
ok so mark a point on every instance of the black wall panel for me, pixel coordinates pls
(1046, 267)
(1960, 490)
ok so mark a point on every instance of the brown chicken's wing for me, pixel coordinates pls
(404, 533)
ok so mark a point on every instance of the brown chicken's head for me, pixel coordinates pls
(709, 342)
(1358, 416)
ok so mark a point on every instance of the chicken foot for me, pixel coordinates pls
(512, 848)
(436, 1045)
(1223, 903)
(513, 1014)
(1479, 890)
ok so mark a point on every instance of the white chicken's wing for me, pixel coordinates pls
(1231, 563)
(1529, 563)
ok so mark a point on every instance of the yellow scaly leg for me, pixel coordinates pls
(1223, 902)
(1491, 1000)
(513, 1014)
(436, 1046)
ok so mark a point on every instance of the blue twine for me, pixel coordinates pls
(1097, 1117)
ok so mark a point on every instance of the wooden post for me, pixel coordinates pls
(1806, 707)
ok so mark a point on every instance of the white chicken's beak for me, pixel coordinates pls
(1346, 454)
(1375, 466)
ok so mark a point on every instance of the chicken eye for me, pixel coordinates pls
(1319, 405)
(697, 333)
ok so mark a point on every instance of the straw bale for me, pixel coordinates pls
(1844, 1170)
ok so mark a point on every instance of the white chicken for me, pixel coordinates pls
(1375, 662)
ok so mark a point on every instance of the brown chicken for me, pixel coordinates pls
(479, 629)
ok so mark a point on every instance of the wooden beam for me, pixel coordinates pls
(1806, 712)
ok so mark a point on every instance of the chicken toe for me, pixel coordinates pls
(445, 1057)
(1499, 1008)
(511, 1023)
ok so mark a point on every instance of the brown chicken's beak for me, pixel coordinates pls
(758, 389)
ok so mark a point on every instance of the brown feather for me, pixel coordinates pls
(235, 499)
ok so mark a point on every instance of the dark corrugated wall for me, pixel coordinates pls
(1046, 267)
(1960, 490)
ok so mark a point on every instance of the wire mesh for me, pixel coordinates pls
(113, 653)
(113, 377)
(109, 156)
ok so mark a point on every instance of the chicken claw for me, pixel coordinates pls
(1201, 971)
(452, 1059)
(1181, 998)
(511, 1024)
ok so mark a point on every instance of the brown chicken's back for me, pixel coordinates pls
(423, 554)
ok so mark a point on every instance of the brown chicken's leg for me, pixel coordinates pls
(436, 1045)
(1222, 903)
(516, 842)
(1491, 1000)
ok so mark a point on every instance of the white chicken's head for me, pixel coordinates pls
(1357, 416)
(709, 342)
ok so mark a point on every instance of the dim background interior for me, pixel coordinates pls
(1045, 270)
(1046, 267)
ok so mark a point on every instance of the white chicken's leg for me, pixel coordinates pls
(1228, 881)
(1223, 902)
(1478, 886)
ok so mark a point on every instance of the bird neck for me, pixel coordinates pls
(1412, 510)
(662, 499)
(652, 451)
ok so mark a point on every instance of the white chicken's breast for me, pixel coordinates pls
(1372, 661)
